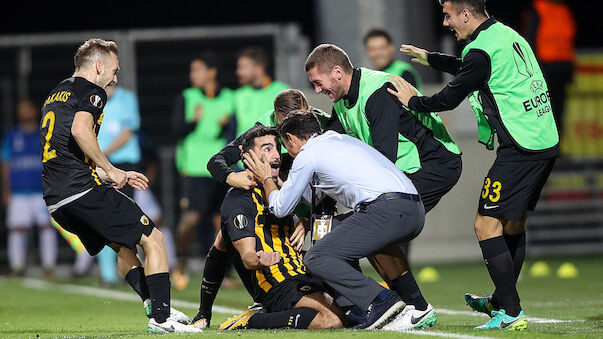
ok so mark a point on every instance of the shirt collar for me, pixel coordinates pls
(216, 93)
(350, 99)
(489, 22)
(310, 141)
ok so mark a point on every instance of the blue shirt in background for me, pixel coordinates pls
(121, 112)
(22, 152)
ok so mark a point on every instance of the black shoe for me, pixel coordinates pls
(382, 310)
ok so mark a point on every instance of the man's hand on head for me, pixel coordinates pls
(260, 167)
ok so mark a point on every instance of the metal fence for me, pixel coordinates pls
(154, 63)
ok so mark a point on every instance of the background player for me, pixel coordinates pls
(22, 192)
(380, 49)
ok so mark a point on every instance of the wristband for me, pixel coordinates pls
(264, 182)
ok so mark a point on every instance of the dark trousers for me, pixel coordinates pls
(364, 233)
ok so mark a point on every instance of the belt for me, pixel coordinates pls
(388, 196)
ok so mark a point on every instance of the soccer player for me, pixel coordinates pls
(219, 166)
(499, 74)
(418, 145)
(74, 176)
(380, 49)
(200, 113)
(118, 139)
(22, 192)
(290, 297)
(387, 209)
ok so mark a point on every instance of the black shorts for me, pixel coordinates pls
(103, 216)
(286, 294)
(512, 188)
(201, 194)
(435, 179)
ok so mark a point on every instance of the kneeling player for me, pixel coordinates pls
(290, 297)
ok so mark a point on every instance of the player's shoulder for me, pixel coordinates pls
(237, 198)
(84, 87)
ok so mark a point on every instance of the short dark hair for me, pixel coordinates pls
(476, 7)
(210, 59)
(92, 48)
(257, 54)
(301, 123)
(258, 131)
(327, 56)
(288, 100)
(377, 33)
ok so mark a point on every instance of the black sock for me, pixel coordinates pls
(406, 286)
(159, 289)
(246, 276)
(213, 274)
(517, 247)
(298, 318)
(138, 281)
(500, 266)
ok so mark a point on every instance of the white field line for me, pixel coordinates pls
(129, 296)
(111, 294)
(443, 334)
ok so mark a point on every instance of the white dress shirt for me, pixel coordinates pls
(343, 167)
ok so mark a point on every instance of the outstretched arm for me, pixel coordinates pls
(440, 61)
(473, 75)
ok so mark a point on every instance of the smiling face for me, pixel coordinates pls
(268, 145)
(380, 51)
(107, 70)
(328, 83)
(457, 22)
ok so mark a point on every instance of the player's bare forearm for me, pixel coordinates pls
(83, 133)
(249, 257)
(119, 142)
(84, 136)
(102, 174)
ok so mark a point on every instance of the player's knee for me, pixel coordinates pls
(332, 321)
(325, 321)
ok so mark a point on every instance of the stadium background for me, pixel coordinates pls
(157, 42)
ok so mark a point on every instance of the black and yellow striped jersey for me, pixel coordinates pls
(66, 169)
(245, 215)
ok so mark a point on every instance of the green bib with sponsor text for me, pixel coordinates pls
(518, 87)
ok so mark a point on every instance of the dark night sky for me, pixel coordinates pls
(52, 16)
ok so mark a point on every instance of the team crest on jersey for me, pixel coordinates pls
(240, 221)
(144, 220)
(96, 101)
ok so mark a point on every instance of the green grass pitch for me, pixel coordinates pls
(572, 308)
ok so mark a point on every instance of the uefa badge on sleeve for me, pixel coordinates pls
(240, 221)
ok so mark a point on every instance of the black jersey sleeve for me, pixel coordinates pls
(91, 100)
(238, 214)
